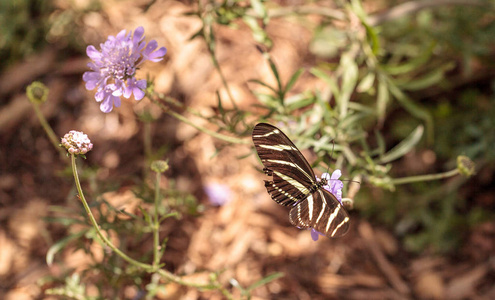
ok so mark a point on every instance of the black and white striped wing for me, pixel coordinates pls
(292, 174)
(323, 212)
(294, 184)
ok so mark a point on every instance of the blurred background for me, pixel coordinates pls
(423, 76)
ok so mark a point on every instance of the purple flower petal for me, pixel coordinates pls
(93, 53)
(135, 87)
(154, 56)
(114, 67)
(138, 35)
(315, 234)
(218, 194)
(334, 186)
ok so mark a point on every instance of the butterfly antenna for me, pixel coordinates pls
(331, 155)
(348, 180)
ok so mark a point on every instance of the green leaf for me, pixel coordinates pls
(55, 248)
(366, 83)
(298, 101)
(413, 64)
(263, 84)
(265, 280)
(293, 79)
(330, 81)
(349, 81)
(259, 9)
(414, 110)
(383, 97)
(424, 82)
(404, 146)
(381, 142)
(259, 34)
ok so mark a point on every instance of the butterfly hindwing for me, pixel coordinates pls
(323, 212)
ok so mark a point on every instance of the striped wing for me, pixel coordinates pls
(294, 184)
(292, 174)
(323, 212)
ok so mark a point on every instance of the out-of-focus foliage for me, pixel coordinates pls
(28, 26)
(23, 28)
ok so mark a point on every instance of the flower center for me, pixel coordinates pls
(121, 63)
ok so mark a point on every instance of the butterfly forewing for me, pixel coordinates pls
(292, 174)
(294, 184)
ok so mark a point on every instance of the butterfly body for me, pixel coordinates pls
(294, 184)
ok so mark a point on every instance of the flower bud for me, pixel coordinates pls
(465, 166)
(37, 92)
(159, 166)
(76, 142)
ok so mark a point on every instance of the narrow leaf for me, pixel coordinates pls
(61, 244)
(265, 280)
(382, 100)
(293, 79)
(404, 146)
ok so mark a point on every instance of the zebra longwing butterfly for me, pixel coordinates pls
(295, 185)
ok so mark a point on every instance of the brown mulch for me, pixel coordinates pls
(250, 237)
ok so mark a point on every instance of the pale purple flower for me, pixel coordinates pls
(113, 69)
(315, 234)
(334, 186)
(218, 194)
(76, 142)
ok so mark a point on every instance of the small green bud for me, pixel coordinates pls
(465, 166)
(159, 166)
(37, 92)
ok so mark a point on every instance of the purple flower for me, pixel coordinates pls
(114, 67)
(218, 194)
(334, 186)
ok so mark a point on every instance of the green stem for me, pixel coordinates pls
(148, 268)
(147, 139)
(214, 134)
(49, 131)
(95, 224)
(222, 77)
(156, 224)
(430, 177)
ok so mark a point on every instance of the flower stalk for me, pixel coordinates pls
(95, 224)
(212, 133)
(48, 129)
(428, 177)
(155, 267)
(37, 94)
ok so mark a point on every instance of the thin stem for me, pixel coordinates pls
(304, 10)
(408, 8)
(148, 268)
(147, 139)
(430, 177)
(49, 131)
(156, 224)
(97, 227)
(214, 134)
(222, 77)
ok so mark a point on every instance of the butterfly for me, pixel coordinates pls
(294, 184)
